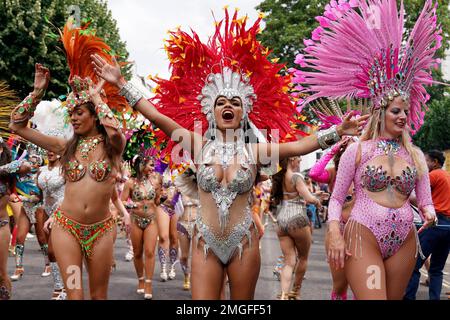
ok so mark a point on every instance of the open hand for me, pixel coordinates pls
(354, 127)
(106, 71)
(41, 79)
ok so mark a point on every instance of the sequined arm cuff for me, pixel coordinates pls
(132, 94)
(326, 138)
(11, 167)
(106, 116)
(25, 109)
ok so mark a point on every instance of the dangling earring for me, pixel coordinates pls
(382, 116)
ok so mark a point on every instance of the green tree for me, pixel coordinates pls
(435, 132)
(288, 22)
(28, 34)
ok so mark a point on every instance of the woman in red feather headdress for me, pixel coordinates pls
(82, 224)
(228, 90)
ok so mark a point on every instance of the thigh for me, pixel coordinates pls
(41, 217)
(23, 227)
(173, 229)
(163, 221)
(243, 272)
(287, 246)
(137, 240)
(150, 238)
(206, 274)
(69, 256)
(99, 266)
(399, 268)
(302, 241)
(365, 274)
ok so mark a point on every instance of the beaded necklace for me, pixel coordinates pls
(86, 145)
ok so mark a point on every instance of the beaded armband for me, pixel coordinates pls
(106, 116)
(326, 138)
(25, 110)
(132, 94)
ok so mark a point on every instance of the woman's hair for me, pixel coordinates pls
(71, 146)
(338, 155)
(276, 194)
(377, 124)
(5, 158)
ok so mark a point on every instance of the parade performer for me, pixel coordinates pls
(141, 195)
(289, 190)
(228, 84)
(187, 185)
(49, 119)
(8, 170)
(31, 212)
(83, 223)
(330, 113)
(359, 52)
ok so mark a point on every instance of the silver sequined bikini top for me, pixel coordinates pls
(224, 195)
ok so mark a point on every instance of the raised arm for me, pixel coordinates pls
(322, 139)
(107, 118)
(112, 74)
(25, 110)
(319, 172)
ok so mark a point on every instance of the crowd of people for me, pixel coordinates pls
(201, 194)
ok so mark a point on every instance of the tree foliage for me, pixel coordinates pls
(435, 132)
(28, 34)
(288, 22)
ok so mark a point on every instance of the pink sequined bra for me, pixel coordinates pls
(375, 179)
(98, 170)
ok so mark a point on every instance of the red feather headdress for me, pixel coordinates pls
(232, 63)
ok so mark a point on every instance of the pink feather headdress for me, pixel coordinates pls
(358, 52)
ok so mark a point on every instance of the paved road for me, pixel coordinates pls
(317, 285)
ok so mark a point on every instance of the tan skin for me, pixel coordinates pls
(144, 241)
(5, 232)
(207, 275)
(85, 201)
(397, 269)
(296, 243)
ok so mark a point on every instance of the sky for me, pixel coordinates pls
(143, 25)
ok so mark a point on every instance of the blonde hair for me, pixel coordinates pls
(373, 131)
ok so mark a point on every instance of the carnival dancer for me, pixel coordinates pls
(375, 62)
(167, 226)
(8, 170)
(31, 213)
(187, 185)
(82, 224)
(329, 112)
(289, 190)
(216, 86)
(144, 191)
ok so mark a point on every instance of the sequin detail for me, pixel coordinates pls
(52, 184)
(375, 179)
(224, 248)
(98, 170)
(86, 235)
(292, 215)
(143, 222)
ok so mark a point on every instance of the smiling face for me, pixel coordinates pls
(149, 167)
(396, 117)
(83, 119)
(228, 113)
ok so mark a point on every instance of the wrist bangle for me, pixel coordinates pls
(131, 94)
(326, 138)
